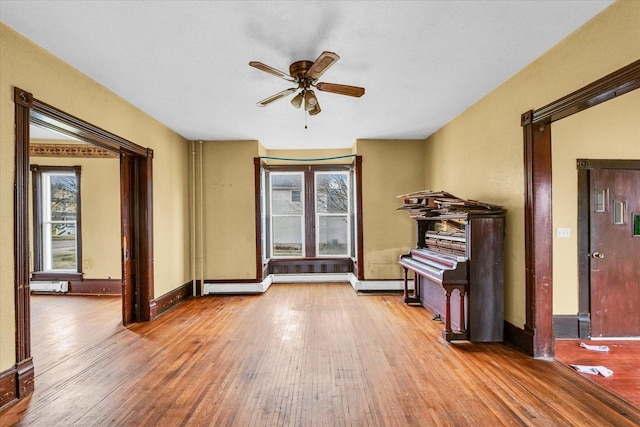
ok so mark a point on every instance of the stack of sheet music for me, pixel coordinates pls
(431, 203)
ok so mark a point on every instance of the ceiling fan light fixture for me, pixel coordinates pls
(297, 100)
(315, 110)
(310, 100)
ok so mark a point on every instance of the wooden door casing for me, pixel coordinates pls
(30, 110)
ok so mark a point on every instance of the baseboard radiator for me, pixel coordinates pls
(49, 286)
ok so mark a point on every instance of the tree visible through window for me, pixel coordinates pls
(56, 214)
(332, 213)
(59, 222)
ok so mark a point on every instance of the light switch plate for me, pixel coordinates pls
(563, 232)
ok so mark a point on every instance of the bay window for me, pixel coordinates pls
(308, 219)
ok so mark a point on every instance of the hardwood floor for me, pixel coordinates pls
(307, 355)
(622, 358)
(63, 326)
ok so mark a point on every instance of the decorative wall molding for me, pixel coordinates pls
(70, 150)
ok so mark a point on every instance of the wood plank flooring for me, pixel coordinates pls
(308, 355)
(623, 358)
(62, 326)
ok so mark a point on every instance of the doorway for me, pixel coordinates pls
(537, 338)
(75, 265)
(136, 219)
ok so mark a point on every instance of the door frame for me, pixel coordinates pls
(136, 200)
(537, 338)
(584, 233)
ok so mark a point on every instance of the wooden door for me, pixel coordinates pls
(129, 270)
(615, 252)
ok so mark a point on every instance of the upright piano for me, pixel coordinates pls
(457, 266)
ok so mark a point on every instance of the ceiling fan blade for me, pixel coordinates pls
(267, 69)
(322, 64)
(276, 97)
(341, 89)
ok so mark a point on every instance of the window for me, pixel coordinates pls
(309, 213)
(56, 230)
(287, 214)
(332, 214)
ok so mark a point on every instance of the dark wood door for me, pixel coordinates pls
(615, 252)
(129, 276)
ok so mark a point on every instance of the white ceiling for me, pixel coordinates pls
(186, 62)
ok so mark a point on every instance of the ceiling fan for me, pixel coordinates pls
(306, 74)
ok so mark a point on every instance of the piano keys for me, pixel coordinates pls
(458, 273)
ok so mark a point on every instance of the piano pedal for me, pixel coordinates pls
(437, 317)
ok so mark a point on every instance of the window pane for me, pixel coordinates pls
(619, 212)
(285, 194)
(333, 234)
(287, 236)
(332, 193)
(63, 197)
(63, 246)
(600, 202)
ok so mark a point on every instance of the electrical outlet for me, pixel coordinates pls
(563, 232)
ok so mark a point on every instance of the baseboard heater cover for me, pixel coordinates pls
(61, 286)
(237, 288)
(261, 287)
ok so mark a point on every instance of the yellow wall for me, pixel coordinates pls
(100, 204)
(229, 209)
(229, 205)
(25, 65)
(607, 131)
(479, 154)
(389, 168)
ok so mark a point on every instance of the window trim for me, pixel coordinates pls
(39, 273)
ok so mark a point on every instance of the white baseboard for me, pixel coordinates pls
(261, 287)
(238, 288)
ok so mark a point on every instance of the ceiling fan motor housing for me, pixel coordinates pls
(299, 69)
